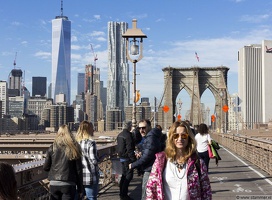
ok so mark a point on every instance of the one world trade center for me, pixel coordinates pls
(61, 57)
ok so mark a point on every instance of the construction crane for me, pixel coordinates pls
(90, 71)
(94, 57)
(14, 62)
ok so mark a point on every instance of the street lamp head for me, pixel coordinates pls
(134, 48)
(133, 37)
(134, 32)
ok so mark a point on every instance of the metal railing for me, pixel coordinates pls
(32, 179)
(256, 150)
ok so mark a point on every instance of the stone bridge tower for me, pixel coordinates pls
(195, 81)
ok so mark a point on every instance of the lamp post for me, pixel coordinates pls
(221, 121)
(133, 37)
(179, 103)
(208, 115)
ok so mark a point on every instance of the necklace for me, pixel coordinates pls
(179, 166)
(179, 170)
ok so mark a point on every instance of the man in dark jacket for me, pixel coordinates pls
(126, 148)
(151, 145)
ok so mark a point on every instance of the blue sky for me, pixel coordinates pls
(176, 29)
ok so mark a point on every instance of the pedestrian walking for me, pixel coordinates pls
(126, 148)
(178, 173)
(203, 139)
(89, 159)
(151, 145)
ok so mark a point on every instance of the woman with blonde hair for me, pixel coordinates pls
(63, 161)
(8, 183)
(89, 159)
(178, 173)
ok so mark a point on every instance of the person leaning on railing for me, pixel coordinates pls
(89, 159)
(63, 162)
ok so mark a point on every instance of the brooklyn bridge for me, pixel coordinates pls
(243, 173)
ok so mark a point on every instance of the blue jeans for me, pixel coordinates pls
(144, 183)
(91, 191)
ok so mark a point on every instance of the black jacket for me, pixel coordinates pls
(126, 146)
(150, 147)
(62, 169)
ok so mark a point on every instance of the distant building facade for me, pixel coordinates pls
(37, 105)
(16, 106)
(39, 86)
(254, 82)
(15, 80)
(80, 83)
(4, 97)
(118, 86)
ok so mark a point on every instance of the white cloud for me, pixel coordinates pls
(140, 16)
(212, 52)
(74, 38)
(43, 54)
(76, 47)
(97, 33)
(160, 20)
(255, 18)
(43, 22)
(24, 42)
(15, 23)
(101, 39)
(75, 56)
(97, 16)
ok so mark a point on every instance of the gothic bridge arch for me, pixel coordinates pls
(195, 81)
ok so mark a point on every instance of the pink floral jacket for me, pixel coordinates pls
(154, 186)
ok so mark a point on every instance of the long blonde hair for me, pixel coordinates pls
(85, 131)
(65, 139)
(171, 150)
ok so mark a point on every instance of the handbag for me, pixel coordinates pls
(210, 151)
(215, 144)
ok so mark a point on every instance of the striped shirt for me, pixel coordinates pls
(89, 162)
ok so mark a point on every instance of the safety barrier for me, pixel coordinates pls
(256, 150)
(32, 179)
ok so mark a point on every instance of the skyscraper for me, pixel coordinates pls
(118, 70)
(15, 82)
(4, 97)
(254, 82)
(61, 56)
(80, 83)
(38, 86)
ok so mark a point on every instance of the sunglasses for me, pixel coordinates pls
(142, 128)
(182, 135)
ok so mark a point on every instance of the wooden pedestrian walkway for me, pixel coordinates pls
(233, 178)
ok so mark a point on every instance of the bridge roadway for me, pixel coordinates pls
(233, 178)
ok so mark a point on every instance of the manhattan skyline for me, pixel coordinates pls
(175, 31)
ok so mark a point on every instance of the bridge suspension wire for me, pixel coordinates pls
(160, 102)
(192, 102)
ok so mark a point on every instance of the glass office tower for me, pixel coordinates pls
(61, 57)
(38, 86)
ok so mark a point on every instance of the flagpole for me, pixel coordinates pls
(154, 112)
